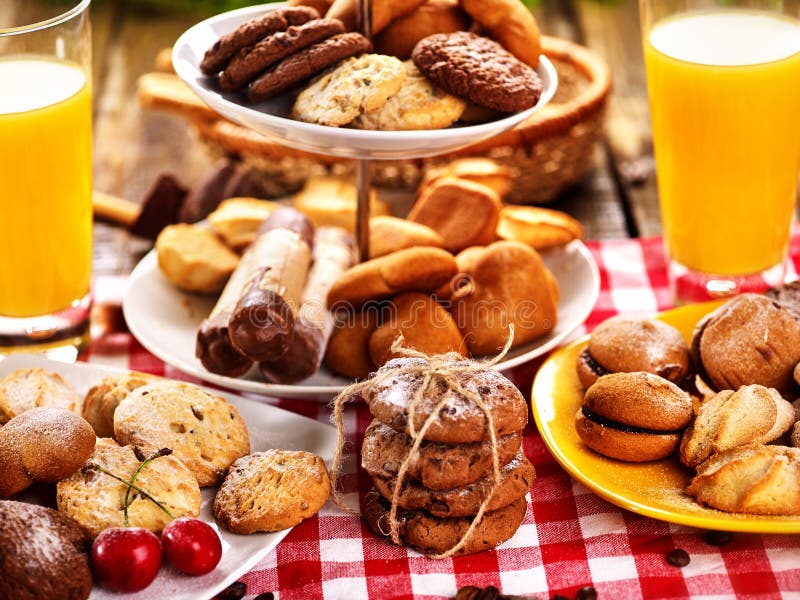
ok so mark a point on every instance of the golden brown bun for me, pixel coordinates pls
(540, 228)
(510, 23)
(410, 270)
(42, 444)
(434, 16)
(749, 339)
(236, 220)
(640, 400)
(464, 213)
(424, 324)
(348, 347)
(390, 234)
(332, 201)
(627, 344)
(508, 285)
(383, 12)
(478, 170)
(625, 445)
(194, 259)
(752, 414)
(754, 479)
(321, 6)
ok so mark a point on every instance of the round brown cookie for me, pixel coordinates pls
(306, 63)
(95, 500)
(249, 62)
(201, 429)
(24, 389)
(515, 481)
(433, 535)
(477, 69)
(460, 420)
(439, 466)
(43, 554)
(102, 399)
(252, 31)
(272, 490)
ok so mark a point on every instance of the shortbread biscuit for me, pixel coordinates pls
(432, 535)
(272, 490)
(25, 389)
(460, 420)
(236, 220)
(194, 259)
(249, 62)
(252, 31)
(439, 466)
(307, 63)
(410, 270)
(418, 105)
(201, 429)
(515, 481)
(357, 86)
(479, 70)
(95, 500)
(511, 23)
(102, 399)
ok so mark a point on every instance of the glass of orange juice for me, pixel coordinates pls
(723, 79)
(45, 181)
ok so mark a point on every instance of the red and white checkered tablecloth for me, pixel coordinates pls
(570, 538)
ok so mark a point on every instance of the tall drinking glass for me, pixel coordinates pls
(723, 78)
(45, 181)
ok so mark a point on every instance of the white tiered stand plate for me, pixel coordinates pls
(271, 118)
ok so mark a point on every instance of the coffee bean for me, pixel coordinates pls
(678, 557)
(586, 593)
(234, 591)
(718, 538)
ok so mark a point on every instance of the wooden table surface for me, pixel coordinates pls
(134, 145)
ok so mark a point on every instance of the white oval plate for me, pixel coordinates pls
(267, 426)
(165, 321)
(270, 118)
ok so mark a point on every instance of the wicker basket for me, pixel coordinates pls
(547, 153)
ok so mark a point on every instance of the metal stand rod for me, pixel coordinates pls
(364, 183)
(364, 166)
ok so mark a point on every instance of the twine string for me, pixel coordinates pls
(434, 371)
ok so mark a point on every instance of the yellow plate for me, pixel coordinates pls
(653, 489)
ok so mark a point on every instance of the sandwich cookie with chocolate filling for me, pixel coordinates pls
(636, 417)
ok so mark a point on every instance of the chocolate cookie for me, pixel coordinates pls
(478, 69)
(439, 466)
(460, 420)
(515, 481)
(249, 62)
(306, 63)
(43, 553)
(252, 31)
(432, 535)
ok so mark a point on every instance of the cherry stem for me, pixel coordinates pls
(131, 484)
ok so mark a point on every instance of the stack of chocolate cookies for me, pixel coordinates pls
(451, 475)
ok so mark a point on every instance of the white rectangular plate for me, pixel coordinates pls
(268, 427)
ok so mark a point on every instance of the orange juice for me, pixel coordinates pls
(45, 183)
(725, 105)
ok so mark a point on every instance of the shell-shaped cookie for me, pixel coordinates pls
(200, 428)
(754, 479)
(25, 389)
(272, 490)
(95, 500)
(751, 414)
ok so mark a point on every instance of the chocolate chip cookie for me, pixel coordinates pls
(432, 535)
(439, 466)
(477, 69)
(307, 63)
(252, 31)
(515, 481)
(249, 62)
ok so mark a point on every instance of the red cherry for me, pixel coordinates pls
(126, 559)
(191, 545)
